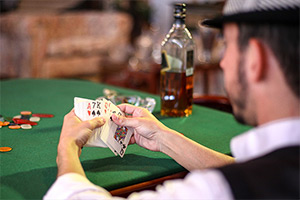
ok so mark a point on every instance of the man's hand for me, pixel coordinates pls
(147, 129)
(153, 135)
(75, 130)
(74, 134)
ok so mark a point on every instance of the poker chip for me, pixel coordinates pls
(5, 149)
(17, 120)
(42, 115)
(25, 112)
(5, 123)
(26, 126)
(14, 127)
(24, 121)
(34, 119)
(17, 117)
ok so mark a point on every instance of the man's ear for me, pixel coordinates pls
(256, 60)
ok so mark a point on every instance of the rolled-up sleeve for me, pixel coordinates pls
(200, 184)
(68, 186)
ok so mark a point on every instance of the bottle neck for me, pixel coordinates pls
(179, 23)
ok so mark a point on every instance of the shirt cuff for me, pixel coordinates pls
(71, 184)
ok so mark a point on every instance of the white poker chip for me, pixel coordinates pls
(17, 117)
(34, 119)
(0, 126)
(26, 126)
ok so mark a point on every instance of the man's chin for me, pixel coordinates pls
(240, 119)
(238, 115)
(243, 120)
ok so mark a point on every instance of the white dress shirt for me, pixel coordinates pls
(198, 184)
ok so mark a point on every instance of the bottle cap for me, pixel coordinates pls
(180, 10)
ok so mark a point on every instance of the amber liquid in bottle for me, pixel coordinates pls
(176, 94)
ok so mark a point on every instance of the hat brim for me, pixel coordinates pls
(287, 17)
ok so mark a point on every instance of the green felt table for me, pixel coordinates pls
(30, 168)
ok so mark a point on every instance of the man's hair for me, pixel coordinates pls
(283, 40)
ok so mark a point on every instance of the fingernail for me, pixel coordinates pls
(115, 116)
(101, 120)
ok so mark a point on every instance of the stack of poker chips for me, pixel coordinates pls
(22, 121)
(26, 115)
(25, 121)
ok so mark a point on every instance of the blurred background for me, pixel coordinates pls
(107, 41)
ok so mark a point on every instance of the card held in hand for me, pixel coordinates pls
(86, 109)
(110, 134)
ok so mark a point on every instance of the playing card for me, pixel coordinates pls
(80, 106)
(106, 128)
(86, 109)
(118, 138)
(113, 135)
(109, 135)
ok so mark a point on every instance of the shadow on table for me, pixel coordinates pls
(129, 162)
(34, 184)
(131, 169)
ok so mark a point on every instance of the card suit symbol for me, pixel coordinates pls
(98, 113)
(89, 112)
(93, 113)
(121, 152)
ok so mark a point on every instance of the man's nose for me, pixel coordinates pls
(222, 63)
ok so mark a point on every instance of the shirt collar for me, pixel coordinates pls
(266, 138)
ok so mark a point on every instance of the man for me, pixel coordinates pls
(261, 69)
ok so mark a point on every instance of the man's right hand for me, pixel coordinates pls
(153, 135)
(147, 129)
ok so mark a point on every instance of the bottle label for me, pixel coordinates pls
(169, 62)
(189, 63)
(164, 61)
(189, 71)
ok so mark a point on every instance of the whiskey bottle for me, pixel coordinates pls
(177, 68)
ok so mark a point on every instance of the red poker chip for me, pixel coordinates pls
(41, 115)
(24, 121)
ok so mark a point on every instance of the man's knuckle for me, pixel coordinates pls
(66, 116)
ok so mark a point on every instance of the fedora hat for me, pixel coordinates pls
(258, 12)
